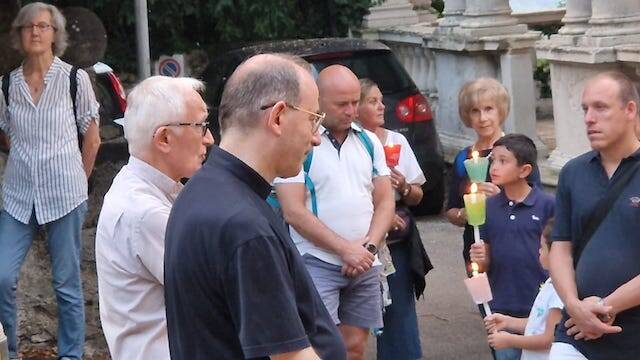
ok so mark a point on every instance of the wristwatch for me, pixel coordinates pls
(371, 248)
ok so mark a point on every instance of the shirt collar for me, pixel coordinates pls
(354, 126)
(595, 155)
(53, 69)
(529, 200)
(225, 161)
(149, 173)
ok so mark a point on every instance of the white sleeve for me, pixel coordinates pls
(294, 179)
(379, 161)
(554, 300)
(86, 103)
(148, 241)
(408, 164)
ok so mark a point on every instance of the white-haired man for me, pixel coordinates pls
(165, 125)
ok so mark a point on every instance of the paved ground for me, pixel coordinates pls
(450, 325)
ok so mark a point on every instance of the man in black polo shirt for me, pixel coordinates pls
(235, 284)
(602, 293)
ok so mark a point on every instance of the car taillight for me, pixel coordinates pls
(414, 108)
(119, 90)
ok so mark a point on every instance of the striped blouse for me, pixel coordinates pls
(44, 171)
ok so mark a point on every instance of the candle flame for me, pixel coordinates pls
(390, 144)
(474, 188)
(474, 269)
(475, 155)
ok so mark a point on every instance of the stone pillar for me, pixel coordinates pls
(453, 12)
(391, 13)
(490, 17)
(576, 18)
(614, 22)
(516, 72)
(424, 11)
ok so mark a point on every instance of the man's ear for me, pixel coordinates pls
(274, 118)
(161, 139)
(525, 170)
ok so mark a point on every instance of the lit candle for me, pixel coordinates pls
(479, 288)
(475, 206)
(477, 167)
(392, 154)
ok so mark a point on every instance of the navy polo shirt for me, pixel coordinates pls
(460, 185)
(235, 285)
(612, 256)
(513, 230)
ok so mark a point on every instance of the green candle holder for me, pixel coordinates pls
(475, 206)
(477, 169)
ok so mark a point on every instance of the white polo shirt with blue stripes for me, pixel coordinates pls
(44, 170)
(343, 182)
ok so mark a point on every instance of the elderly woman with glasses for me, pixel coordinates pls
(53, 143)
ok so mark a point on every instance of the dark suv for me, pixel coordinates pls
(407, 111)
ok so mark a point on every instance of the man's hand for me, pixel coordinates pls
(489, 189)
(479, 255)
(496, 322)
(356, 258)
(585, 322)
(500, 340)
(398, 223)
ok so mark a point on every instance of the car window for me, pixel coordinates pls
(380, 66)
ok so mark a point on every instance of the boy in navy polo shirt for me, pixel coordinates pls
(515, 219)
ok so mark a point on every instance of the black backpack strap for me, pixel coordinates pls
(602, 209)
(5, 88)
(73, 92)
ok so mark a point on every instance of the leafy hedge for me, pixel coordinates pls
(179, 26)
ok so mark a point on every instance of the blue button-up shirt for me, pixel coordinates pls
(513, 230)
(44, 171)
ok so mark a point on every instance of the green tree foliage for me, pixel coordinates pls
(178, 26)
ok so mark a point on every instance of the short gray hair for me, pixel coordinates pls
(28, 12)
(246, 91)
(154, 102)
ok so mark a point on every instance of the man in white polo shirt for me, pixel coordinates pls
(339, 226)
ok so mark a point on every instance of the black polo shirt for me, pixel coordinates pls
(612, 257)
(235, 285)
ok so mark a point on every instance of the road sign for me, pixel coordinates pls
(172, 65)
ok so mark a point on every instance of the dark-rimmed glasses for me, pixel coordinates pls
(42, 27)
(204, 125)
(316, 120)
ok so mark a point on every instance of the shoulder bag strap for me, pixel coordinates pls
(73, 92)
(601, 211)
(5, 87)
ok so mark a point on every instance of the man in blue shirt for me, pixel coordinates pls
(235, 285)
(602, 292)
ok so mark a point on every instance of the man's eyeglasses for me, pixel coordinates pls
(42, 27)
(316, 118)
(203, 125)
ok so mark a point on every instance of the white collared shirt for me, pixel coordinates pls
(44, 170)
(344, 189)
(130, 261)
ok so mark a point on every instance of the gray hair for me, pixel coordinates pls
(28, 12)
(246, 91)
(154, 102)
